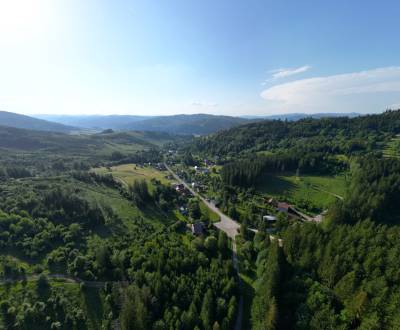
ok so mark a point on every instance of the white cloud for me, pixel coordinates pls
(287, 72)
(356, 91)
(394, 106)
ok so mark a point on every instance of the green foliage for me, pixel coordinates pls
(373, 193)
(265, 311)
(249, 172)
(322, 136)
(194, 209)
(140, 194)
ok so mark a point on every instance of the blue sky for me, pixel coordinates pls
(223, 57)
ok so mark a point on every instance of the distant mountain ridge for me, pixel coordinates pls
(197, 124)
(15, 120)
(93, 121)
(299, 116)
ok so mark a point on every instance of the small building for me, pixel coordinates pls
(269, 218)
(283, 207)
(198, 228)
(271, 201)
(179, 187)
(183, 210)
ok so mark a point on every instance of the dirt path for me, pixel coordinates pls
(328, 192)
(66, 278)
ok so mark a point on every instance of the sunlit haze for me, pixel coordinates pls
(219, 57)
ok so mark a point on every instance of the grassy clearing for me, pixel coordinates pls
(214, 217)
(125, 209)
(392, 149)
(128, 173)
(319, 190)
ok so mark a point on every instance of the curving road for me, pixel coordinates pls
(231, 228)
(227, 224)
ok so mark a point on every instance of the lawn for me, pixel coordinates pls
(319, 190)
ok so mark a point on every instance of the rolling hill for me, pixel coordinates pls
(21, 121)
(319, 135)
(33, 140)
(198, 124)
(299, 116)
(93, 121)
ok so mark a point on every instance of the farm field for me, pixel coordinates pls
(320, 191)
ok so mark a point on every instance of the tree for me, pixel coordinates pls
(216, 326)
(272, 315)
(211, 244)
(42, 285)
(194, 209)
(207, 310)
(222, 242)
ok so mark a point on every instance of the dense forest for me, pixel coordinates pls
(247, 172)
(96, 234)
(338, 274)
(327, 135)
(83, 250)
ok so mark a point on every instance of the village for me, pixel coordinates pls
(197, 182)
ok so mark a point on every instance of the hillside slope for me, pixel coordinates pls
(93, 121)
(335, 135)
(21, 121)
(199, 124)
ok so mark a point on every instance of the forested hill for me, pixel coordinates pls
(335, 135)
(21, 121)
(196, 124)
(199, 124)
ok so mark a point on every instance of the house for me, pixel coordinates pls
(160, 167)
(179, 187)
(183, 210)
(283, 207)
(269, 218)
(271, 201)
(201, 170)
(198, 228)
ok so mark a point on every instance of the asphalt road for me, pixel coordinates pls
(230, 227)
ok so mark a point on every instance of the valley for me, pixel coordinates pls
(95, 227)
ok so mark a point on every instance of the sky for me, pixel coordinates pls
(231, 57)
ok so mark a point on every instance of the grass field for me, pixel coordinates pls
(319, 190)
(128, 173)
(392, 149)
